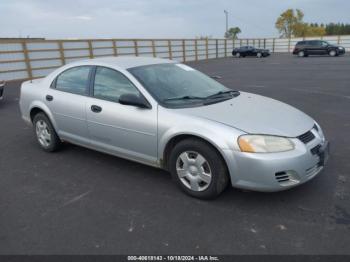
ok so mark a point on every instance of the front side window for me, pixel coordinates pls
(74, 80)
(110, 85)
(177, 85)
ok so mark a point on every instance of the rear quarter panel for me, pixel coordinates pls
(32, 96)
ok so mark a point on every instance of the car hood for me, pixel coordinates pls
(256, 114)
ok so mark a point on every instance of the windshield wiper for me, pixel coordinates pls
(185, 98)
(220, 93)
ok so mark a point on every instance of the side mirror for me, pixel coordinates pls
(134, 100)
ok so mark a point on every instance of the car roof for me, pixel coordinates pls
(127, 62)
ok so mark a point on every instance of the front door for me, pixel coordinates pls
(124, 130)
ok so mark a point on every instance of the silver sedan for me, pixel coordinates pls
(171, 116)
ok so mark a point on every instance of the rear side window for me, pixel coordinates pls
(74, 80)
(110, 85)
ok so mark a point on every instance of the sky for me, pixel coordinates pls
(156, 18)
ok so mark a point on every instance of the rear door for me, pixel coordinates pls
(123, 130)
(66, 99)
(251, 51)
(314, 47)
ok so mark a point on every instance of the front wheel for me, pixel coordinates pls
(332, 53)
(238, 55)
(259, 55)
(45, 133)
(198, 169)
(301, 53)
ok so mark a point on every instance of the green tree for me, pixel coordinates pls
(305, 29)
(232, 33)
(289, 21)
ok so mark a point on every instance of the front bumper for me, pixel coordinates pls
(341, 51)
(269, 172)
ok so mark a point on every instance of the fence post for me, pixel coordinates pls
(115, 50)
(196, 49)
(225, 47)
(288, 45)
(206, 47)
(60, 46)
(217, 48)
(136, 48)
(170, 52)
(27, 60)
(91, 54)
(153, 49)
(273, 45)
(264, 43)
(338, 40)
(184, 50)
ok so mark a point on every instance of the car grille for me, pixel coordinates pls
(315, 150)
(307, 137)
(282, 177)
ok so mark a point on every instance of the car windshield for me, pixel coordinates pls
(178, 85)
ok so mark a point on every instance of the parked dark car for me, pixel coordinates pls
(2, 85)
(250, 51)
(317, 47)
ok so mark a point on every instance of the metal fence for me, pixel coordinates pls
(27, 59)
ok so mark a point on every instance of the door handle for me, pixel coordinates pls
(49, 98)
(96, 109)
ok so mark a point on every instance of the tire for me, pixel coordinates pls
(204, 175)
(45, 134)
(238, 55)
(332, 53)
(259, 55)
(301, 54)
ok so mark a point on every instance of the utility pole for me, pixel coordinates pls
(226, 14)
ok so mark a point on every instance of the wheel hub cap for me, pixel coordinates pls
(193, 170)
(43, 133)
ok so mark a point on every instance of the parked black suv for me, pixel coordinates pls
(317, 47)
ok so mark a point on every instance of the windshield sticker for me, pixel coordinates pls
(185, 67)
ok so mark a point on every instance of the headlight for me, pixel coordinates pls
(264, 144)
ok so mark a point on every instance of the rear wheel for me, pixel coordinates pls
(301, 53)
(45, 133)
(198, 169)
(259, 55)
